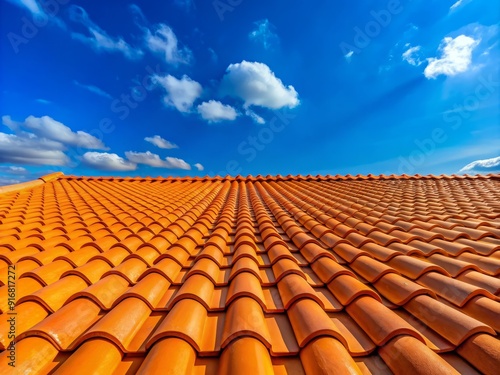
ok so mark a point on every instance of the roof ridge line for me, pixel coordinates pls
(31, 184)
(279, 177)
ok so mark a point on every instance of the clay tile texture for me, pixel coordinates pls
(266, 275)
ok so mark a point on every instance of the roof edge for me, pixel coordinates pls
(30, 184)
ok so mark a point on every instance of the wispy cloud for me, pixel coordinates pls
(456, 57)
(43, 101)
(161, 40)
(161, 142)
(199, 167)
(264, 34)
(348, 56)
(458, 4)
(94, 89)
(99, 39)
(482, 166)
(411, 56)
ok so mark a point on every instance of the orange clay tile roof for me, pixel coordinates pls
(252, 275)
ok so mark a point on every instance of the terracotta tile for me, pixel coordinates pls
(327, 269)
(95, 356)
(33, 354)
(245, 317)
(483, 352)
(293, 287)
(309, 321)
(451, 324)
(327, 355)
(400, 290)
(185, 320)
(53, 296)
(378, 322)
(104, 292)
(405, 354)
(246, 284)
(61, 328)
(170, 353)
(455, 291)
(347, 288)
(149, 289)
(246, 353)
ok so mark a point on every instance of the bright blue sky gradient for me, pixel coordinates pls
(330, 87)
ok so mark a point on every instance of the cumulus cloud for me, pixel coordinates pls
(485, 165)
(93, 89)
(180, 93)
(107, 162)
(47, 127)
(256, 84)
(456, 57)
(411, 56)
(161, 39)
(99, 39)
(27, 148)
(215, 111)
(264, 34)
(113, 162)
(161, 142)
(199, 167)
(176, 163)
(146, 158)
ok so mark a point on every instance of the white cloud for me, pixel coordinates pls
(31, 5)
(348, 56)
(459, 3)
(47, 127)
(107, 162)
(43, 101)
(161, 142)
(411, 56)
(199, 167)
(99, 39)
(456, 5)
(161, 39)
(215, 111)
(164, 42)
(485, 165)
(255, 117)
(263, 33)
(257, 85)
(176, 163)
(12, 169)
(146, 158)
(181, 93)
(154, 160)
(456, 57)
(27, 148)
(93, 89)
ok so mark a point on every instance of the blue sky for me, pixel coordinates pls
(249, 87)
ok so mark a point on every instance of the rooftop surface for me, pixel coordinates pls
(252, 275)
